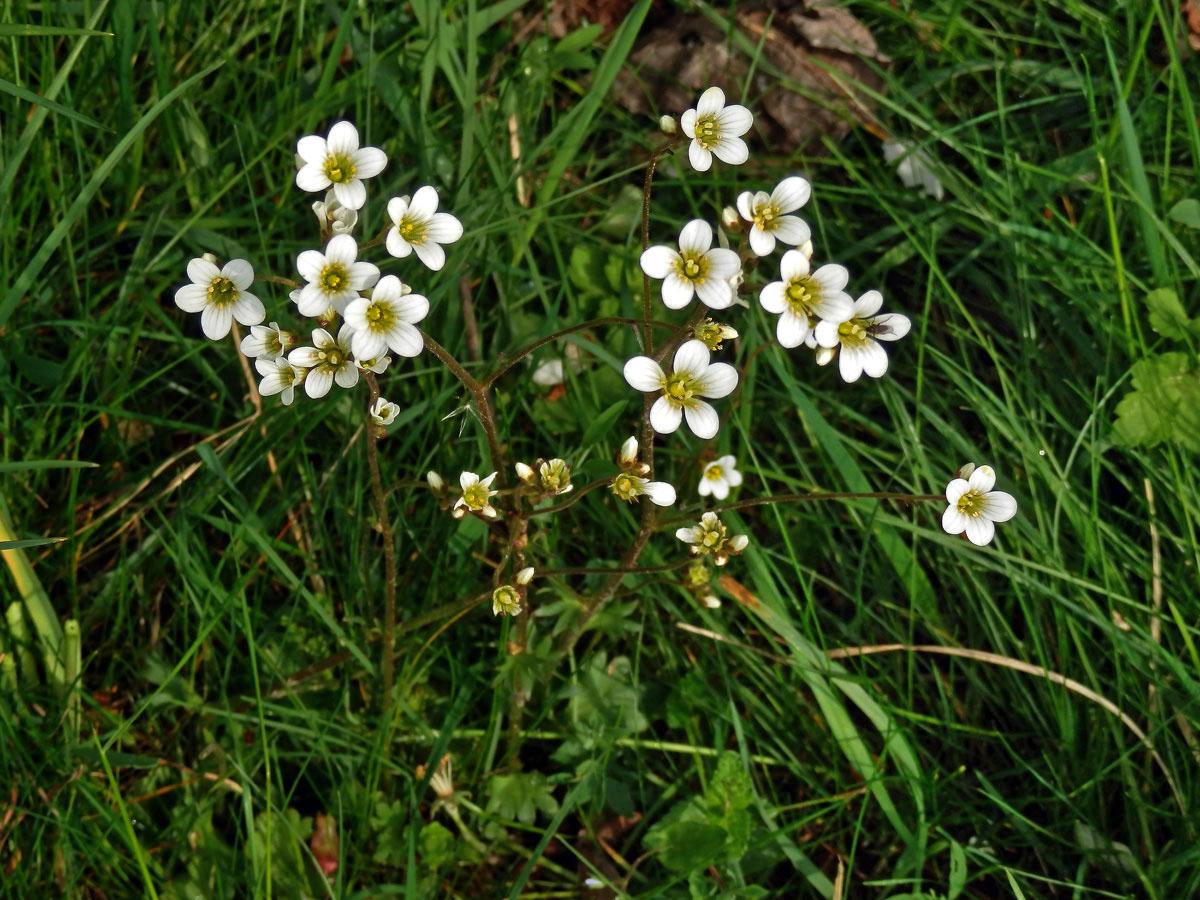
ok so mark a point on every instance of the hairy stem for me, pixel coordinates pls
(483, 404)
(389, 549)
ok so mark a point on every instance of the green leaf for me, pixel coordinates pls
(1186, 212)
(1164, 405)
(603, 423)
(1166, 313)
(692, 845)
(13, 30)
(730, 788)
(31, 464)
(436, 843)
(958, 870)
(31, 542)
(23, 94)
(520, 796)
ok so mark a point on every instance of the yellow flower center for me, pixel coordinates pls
(972, 503)
(681, 386)
(852, 332)
(476, 496)
(714, 473)
(221, 292)
(413, 232)
(333, 278)
(340, 169)
(765, 216)
(334, 359)
(381, 317)
(693, 266)
(627, 487)
(708, 131)
(803, 294)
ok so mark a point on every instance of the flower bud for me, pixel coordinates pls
(525, 473)
(211, 257)
(525, 575)
(436, 483)
(731, 220)
(965, 470)
(628, 453)
(807, 249)
(825, 355)
(711, 601)
(738, 543)
(668, 125)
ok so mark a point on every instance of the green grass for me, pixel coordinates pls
(1065, 132)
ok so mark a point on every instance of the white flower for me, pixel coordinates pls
(417, 225)
(376, 364)
(327, 362)
(914, 169)
(334, 217)
(629, 487)
(278, 377)
(692, 377)
(716, 128)
(719, 476)
(859, 338)
(801, 294)
(334, 278)
(475, 494)
(767, 213)
(339, 162)
(710, 537)
(387, 320)
(268, 341)
(975, 507)
(220, 296)
(695, 269)
(384, 412)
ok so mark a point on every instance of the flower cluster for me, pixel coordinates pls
(360, 316)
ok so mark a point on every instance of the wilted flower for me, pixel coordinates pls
(506, 601)
(710, 538)
(714, 333)
(384, 412)
(555, 477)
(629, 487)
(333, 217)
(914, 169)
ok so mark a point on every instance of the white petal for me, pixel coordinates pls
(431, 254)
(444, 228)
(696, 237)
(791, 194)
(1000, 506)
(352, 194)
(832, 277)
(201, 271)
(369, 162)
(733, 476)
(719, 380)
(304, 357)
(980, 530)
(692, 356)
(700, 158)
(715, 293)
(677, 292)
(772, 297)
(706, 486)
(896, 325)
(983, 479)
(955, 489)
(272, 384)
(310, 263)
(825, 335)
(644, 374)
(703, 420)
(835, 306)
(687, 122)
(659, 493)
(312, 149)
(735, 120)
(792, 230)
(239, 272)
(467, 479)
(868, 304)
(487, 482)
(192, 297)
(366, 344)
(659, 262)
(317, 383)
(396, 209)
(346, 376)
(720, 489)
(323, 339)
(405, 339)
(355, 315)
(312, 178)
(722, 264)
(665, 416)
(732, 150)
(342, 248)
(424, 204)
(711, 101)
(761, 242)
(953, 521)
(688, 535)
(850, 364)
(343, 138)
(874, 359)
(248, 309)
(745, 205)
(216, 321)
(311, 301)
(794, 264)
(411, 308)
(792, 329)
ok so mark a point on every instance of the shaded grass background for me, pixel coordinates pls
(196, 603)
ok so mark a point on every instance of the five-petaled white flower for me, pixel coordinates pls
(767, 215)
(387, 320)
(629, 487)
(384, 412)
(278, 377)
(697, 268)
(803, 294)
(334, 277)
(716, 129)
(475, 495)
(220, 296)
(974, 506)
(858, 339)
(416, 225)
(327, 362)
(719, 476)
(710, 537)
(692, 377)
(337, 161)
(268, 341)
